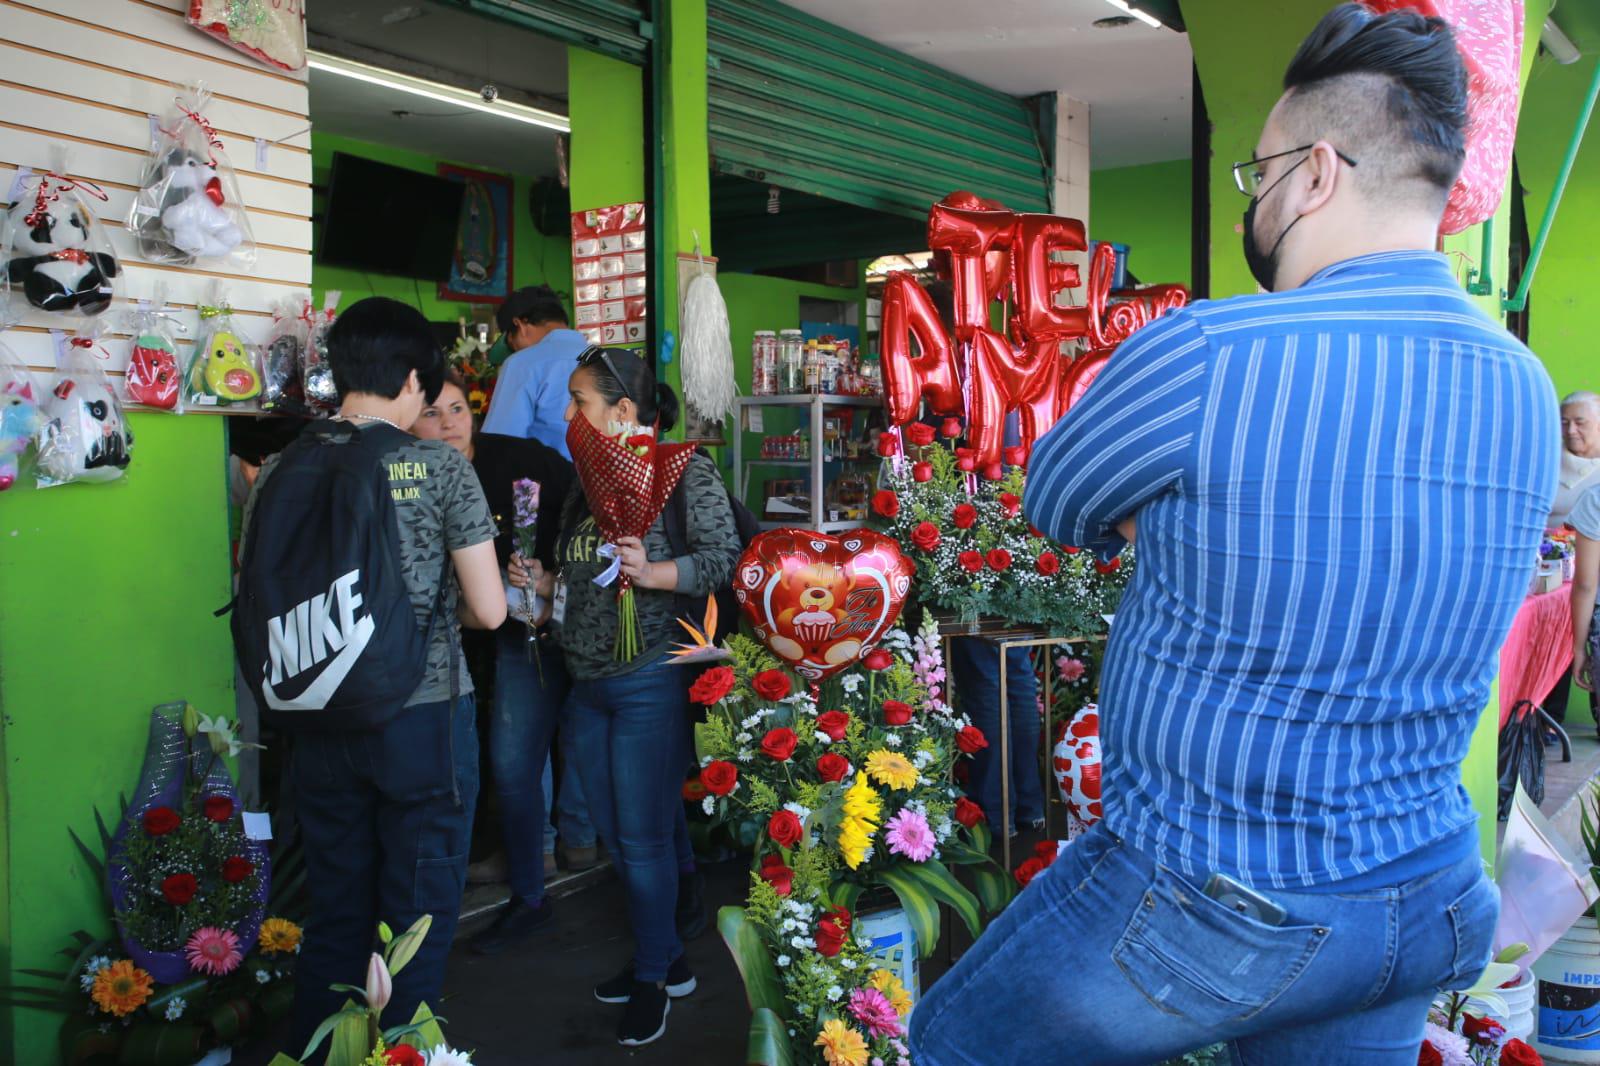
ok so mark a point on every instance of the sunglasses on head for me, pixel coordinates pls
(595, 354)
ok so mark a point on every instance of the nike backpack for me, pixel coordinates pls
(323, 624)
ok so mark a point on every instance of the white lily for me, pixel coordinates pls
(445, 1056)
(220, 732)
(380, 987)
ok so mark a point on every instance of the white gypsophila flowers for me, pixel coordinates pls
(783, 960)
(709, 805)
(175, 1008)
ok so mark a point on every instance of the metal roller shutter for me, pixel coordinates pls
(618, 28)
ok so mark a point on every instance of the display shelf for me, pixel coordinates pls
(814, 404)
(807, 462)
(820, 527)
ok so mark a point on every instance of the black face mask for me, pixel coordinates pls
(1264, 266)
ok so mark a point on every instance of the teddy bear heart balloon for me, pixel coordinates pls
(819, 602)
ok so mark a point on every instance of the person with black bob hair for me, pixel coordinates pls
(1337, 485)
(630, 718)
(385, 813)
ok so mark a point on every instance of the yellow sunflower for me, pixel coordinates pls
(841, 1045)
(121, 988)
(892, 990)
(855, 837)
(892, 769)
(860, 801)
(278, 935)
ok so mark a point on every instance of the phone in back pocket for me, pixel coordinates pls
(1245, 901)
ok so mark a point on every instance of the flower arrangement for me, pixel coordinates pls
(470, 358)
(356, 1033)
(844, 790)
(976, 555)
(1456, 1038)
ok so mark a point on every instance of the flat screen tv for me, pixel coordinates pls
(389, 220)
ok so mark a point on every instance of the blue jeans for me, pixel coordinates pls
(527, 715)
(976, 671)
(386, 819)
(629, 736)
(1122, 961)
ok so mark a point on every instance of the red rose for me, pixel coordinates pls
(1045, 851)
(1016, 456)
(712, 685)
(999, 559)
(719, 777)
(970, 561)
(159, 821)
(878, 659)
(784, 828)
(1429, 1056)
(831, 932)
(1029, 870)
(886, 503)
(694, 790)
(966, 464)
(968, 813)
(1070, 550)
(771, 684)
(218, 808)
(833, 767)
(1047, 564)
(926, 536)
(236, 869)
(1035, 531)
(920, 434)
(776, 874)
(403, 1055)
(641, 440)
(179, 889)
(1516, 1053)
(921, 472)
(951, 428)
(1481, 1030)
(965, 516)
(971, 739)
(778, 744)
(888, 445)
(993, 472)
(896, 713)
(1108, 568)
(833, 723)
(1011, 502)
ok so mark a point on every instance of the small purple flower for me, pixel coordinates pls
(525, 503)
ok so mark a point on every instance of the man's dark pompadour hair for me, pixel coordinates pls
(1425, 106)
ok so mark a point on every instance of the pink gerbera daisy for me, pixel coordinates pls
(872, 1009)
(908, 834)
(214, 951)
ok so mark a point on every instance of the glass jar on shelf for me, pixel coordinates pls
(791, 362)
(871, 378)
(764, 363)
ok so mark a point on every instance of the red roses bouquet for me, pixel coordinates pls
(627, 477)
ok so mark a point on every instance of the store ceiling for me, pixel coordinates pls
(444, 45)
(1136, 79)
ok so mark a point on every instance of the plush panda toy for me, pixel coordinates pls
(86, 437)
(52, 257)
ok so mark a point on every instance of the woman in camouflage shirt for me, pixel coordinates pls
(630, 719)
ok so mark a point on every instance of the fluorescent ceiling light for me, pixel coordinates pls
(1560, 46)
(433, 90)
(1144, 17)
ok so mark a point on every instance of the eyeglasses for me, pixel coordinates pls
(595, 354)
(1248, 176)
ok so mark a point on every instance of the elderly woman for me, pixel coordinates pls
(1580, 456)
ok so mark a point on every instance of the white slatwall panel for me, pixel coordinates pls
(86, 74)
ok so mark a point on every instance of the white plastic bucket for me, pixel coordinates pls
(893, 945)
(1569, 996)
(1520, 1014)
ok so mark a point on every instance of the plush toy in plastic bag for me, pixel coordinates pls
(224, 368)
(270, 30)
(19, 415)
(188, 207)
(57, 256)
(317, 371)
(85, 435)
(154, 377)
(281, 391)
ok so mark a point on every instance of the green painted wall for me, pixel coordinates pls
(1564, 316)
(1149, 208)
(536, 259)
(606, 105)
(107, 612)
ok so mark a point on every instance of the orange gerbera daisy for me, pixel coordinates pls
(121, 988)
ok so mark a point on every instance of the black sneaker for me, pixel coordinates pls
(515, 923)
(645, 1019)
(691, 913)
(680, 982)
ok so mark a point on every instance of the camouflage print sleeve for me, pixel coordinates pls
(713, 536)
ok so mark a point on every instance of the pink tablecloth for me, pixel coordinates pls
(1538, 649)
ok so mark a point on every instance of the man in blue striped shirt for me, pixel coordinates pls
(1339, 488)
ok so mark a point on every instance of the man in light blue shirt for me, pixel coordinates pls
(530, 396)
(1338, 487)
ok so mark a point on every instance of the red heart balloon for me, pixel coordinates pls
(818, 602)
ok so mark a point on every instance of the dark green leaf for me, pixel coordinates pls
(426, 1026)
(921, 910)
(994, 886)
(944, 887)
(349, 1011)
(761, 984)
(768, 1044)
(96, 863)
(48, 975)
